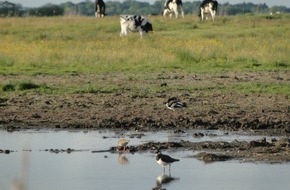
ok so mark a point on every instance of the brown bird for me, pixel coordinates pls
(123, 143)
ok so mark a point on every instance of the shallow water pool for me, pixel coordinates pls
(86, 170)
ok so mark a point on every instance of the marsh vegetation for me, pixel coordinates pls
(81, 63)
(81, 45)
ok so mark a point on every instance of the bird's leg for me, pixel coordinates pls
(163, 169)
(124, 149)
(169, 168)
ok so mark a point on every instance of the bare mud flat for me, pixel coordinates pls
(256, 113)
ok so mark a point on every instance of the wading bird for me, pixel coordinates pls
(123, 143)
(163, 160)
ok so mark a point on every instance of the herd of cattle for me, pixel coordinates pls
(137, 23)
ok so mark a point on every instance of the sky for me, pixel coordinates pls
(38, 3)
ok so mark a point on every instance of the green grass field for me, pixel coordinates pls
(60, 46)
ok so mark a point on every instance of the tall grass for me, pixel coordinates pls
(59, 46)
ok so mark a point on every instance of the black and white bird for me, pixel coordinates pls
(163, 160)
(174, 103)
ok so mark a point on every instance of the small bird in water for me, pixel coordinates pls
(163, 160)
(123, 143)
(173, 103)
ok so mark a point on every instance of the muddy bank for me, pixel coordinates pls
(122, 111)
(275, 151)
(139, 104)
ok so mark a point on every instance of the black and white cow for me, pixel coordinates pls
(134, 23)
(172, 7)
(100, 8)
(208, 7)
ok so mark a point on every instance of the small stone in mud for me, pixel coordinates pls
(35, 115)
(57, 126)
(212, 112)
(283, 142)
(12, 128)
(210, 157)
(198, 135)
(136, 135)
(69, 150)
(56, 151)
(261, 142)
(178, 131)
(139, 136)
(163, 84)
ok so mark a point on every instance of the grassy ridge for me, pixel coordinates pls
(61, 45)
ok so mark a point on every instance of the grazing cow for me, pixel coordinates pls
(134, 23)
(208, 7)
(172, 7)
(100, 8)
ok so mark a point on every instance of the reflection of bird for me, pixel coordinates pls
(163, 179)
(163, 160)
(173, 103)
(123, 143)
(122, 159)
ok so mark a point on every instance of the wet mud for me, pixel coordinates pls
(275, 151)
(261, 113)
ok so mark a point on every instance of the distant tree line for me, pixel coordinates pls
(86, 8)
(9, 9)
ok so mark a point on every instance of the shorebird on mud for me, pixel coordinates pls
(174, 103)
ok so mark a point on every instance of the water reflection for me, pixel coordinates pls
(122, 159)
(19, 183)
(141, 168)
(164, 179)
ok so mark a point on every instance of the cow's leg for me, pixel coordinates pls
(165, 12)
(124, 28)
(175, 10)
(124, 31)
(213, 15)
(201, 15)
(103, 11)
(98, 11)
(181, 11)
(170, 14)
(141, 31)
